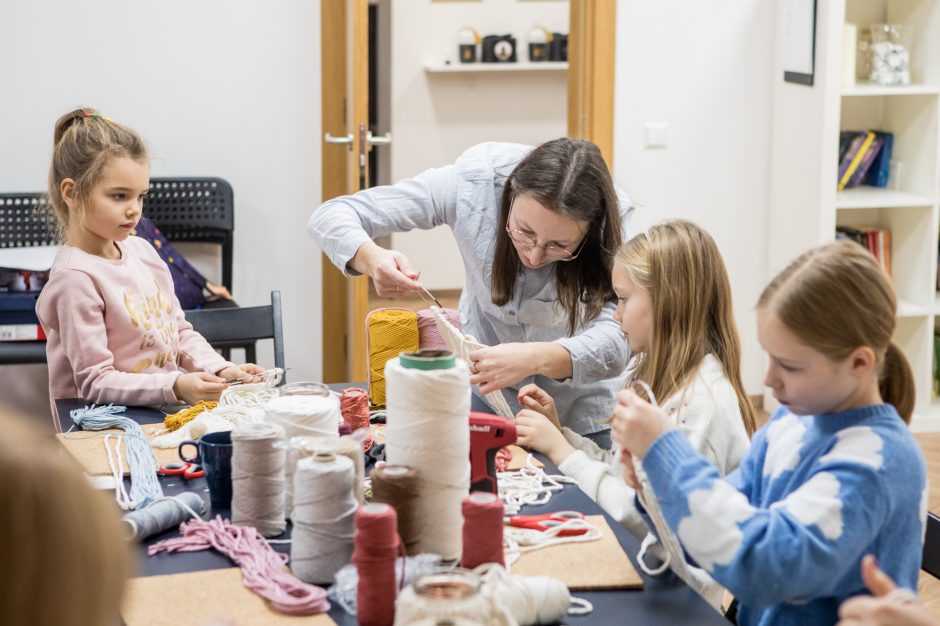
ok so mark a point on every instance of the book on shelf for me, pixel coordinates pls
(864, 157)
(876, 240)
(21, 332)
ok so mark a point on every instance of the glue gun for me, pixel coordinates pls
(488, 433)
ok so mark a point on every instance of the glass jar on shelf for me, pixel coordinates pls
(890, 55)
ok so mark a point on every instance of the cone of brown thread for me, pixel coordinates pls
(397, 486)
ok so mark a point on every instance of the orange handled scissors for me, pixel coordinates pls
(182, 468)
(547, 521)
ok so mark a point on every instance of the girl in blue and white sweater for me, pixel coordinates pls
(834, 475)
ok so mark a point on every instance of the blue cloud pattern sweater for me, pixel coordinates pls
(786, 532)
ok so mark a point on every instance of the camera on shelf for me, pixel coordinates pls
(499, 49)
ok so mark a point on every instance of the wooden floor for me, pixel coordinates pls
(929, 587)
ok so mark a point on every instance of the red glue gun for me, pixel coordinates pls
(488, 433)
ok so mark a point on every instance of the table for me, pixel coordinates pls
(661, 602)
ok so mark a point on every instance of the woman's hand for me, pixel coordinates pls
(503, 365)
(537, 399)
(533, 430)
(390, 271)
(637, 423)
(196, 386)
(881, 609)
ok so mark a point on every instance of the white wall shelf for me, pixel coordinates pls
(865, 197)
(907, 309)
(880, 90)
(478, 68)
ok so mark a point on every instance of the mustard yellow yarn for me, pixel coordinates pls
(390, 332)
(178, 420)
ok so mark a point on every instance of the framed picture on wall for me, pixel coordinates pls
(799, 52)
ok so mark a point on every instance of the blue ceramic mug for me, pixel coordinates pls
(214, 453)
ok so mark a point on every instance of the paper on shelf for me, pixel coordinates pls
(34, 258)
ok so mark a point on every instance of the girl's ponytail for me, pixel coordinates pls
(897, 382)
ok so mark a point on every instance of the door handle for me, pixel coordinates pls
(343, 141)
(382, 140)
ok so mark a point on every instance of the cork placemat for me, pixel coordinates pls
(207, 597)
(517, 462)
(590, 565)
(87, 447)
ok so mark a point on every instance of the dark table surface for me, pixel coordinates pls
(660, 602)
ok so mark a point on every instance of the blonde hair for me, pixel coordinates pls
(84, 142)
(678, 264)
(837, 298)
(65, 559)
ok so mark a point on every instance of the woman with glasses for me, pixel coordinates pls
(537, 229)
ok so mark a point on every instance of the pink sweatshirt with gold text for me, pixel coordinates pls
(115, 330)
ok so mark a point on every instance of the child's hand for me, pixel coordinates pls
(196, 386)
(629, 471)
(219, 291)
(533, 430)
(249, 372)
(637, 423)
(884, 609)
(537, 399)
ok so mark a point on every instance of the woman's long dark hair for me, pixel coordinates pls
(567, 176)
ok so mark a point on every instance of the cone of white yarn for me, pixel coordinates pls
(258, 478)
(428, 428)
(324, 517)
(303, 416)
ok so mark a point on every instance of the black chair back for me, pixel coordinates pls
(195, 209)
(242, 327)
(930, 562)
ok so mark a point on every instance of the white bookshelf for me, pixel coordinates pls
(806, 125)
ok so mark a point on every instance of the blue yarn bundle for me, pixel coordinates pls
(145, 488)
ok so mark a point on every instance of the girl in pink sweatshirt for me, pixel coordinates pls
(115, 330)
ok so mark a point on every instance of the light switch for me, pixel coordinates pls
(656, 134)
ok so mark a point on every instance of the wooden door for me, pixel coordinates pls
(345, 93)
(345, 65)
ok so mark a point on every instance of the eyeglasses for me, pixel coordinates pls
(554, 253)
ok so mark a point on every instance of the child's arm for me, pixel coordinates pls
(196, 355)
(797, 549)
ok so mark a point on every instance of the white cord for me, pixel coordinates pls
(116, 463)
(518, 541)
(529, 485)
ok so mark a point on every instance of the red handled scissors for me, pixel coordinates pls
(547, 521)
(182, 468)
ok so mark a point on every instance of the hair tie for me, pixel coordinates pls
(95, 114)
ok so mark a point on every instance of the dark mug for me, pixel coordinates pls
(214, 454)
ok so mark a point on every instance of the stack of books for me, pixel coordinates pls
(864, 158)
(875, 240)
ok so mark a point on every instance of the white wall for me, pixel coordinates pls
(705, 69)
(435, 117)
(229, 89)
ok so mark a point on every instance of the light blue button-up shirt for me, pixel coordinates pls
(465, 197)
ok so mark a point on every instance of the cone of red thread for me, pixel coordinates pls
(376, 548)
(482, 529)
(354, 406)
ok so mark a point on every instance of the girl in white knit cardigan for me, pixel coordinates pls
(674, 308)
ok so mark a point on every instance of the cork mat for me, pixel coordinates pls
(87, 447)
(591, 565)
(207, 597)
(517, 462)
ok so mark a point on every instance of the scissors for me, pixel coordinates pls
(182, 468)
(547, 521)
(263, 376)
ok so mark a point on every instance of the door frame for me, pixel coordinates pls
(591, 53)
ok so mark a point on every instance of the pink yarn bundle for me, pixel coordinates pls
(262, 568)
(428, 335)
